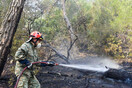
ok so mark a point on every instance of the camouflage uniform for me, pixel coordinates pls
(28, 79)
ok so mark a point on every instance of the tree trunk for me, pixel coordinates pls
(69, 26)
(73, 36)
(118, 74)
(8, 29)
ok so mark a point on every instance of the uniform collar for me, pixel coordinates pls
(31, 45)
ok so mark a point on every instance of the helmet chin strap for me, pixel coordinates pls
(35, 43)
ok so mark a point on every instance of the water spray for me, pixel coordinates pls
(86, 67)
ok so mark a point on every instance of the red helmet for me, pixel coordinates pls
(36, 34)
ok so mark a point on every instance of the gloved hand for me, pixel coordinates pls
(44, 63)
(26, 62)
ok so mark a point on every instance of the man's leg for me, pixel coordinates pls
(33, 82)
(23, 82)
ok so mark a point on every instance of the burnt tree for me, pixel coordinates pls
(8, 29)
(73, 36)
(118, 74)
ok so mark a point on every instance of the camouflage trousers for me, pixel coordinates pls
(28, 82)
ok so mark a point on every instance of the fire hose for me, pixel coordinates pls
(26, 68)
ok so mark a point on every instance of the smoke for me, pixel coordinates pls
(97, 62)
(82, 60)
(62, 45)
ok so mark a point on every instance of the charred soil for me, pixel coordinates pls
(62, 77)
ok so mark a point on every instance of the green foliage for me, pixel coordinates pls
(122, 13)
(101, 25)
(113, 47)
(51, 25)
(20, 37)
(106, 18)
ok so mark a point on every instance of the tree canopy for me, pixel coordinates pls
(103, 26)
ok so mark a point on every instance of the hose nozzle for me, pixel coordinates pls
(56, 64)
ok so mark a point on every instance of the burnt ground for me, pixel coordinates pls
(73, 78)
(62, 77)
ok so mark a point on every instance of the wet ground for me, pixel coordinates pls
(73, 78)
(63, 77)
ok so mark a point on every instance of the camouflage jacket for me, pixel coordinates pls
(26, 51)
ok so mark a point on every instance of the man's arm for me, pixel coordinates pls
(21, 53)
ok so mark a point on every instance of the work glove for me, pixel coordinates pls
(26, 62)
(44, 64)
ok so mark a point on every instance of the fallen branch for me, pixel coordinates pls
(57, 53)
(118, 74)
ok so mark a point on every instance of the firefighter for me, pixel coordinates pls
(25, 56)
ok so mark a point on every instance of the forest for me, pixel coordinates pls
(102, 26)
(75, 28)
